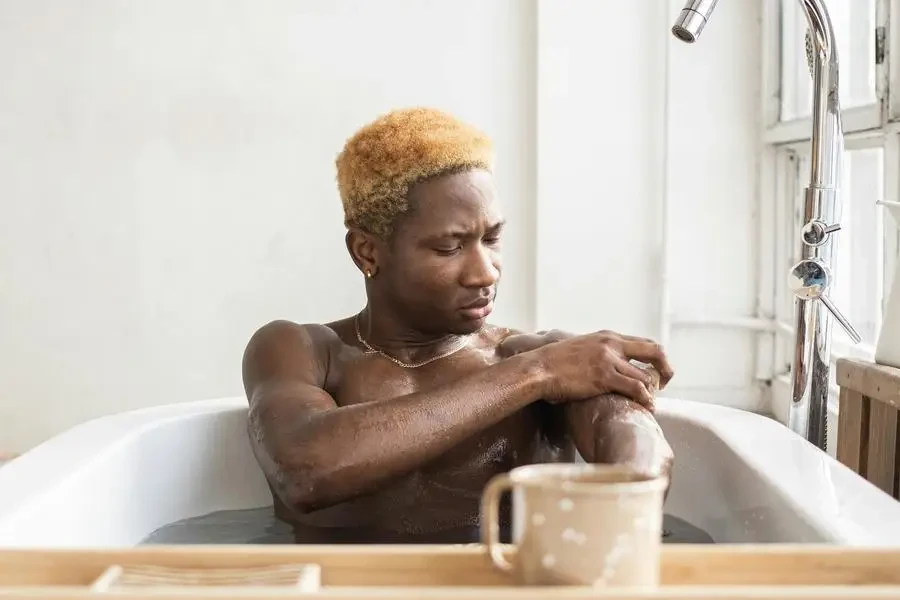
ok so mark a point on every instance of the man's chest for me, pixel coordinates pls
(532, 434)
(371, 377)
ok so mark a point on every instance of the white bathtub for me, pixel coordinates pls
(112, 481)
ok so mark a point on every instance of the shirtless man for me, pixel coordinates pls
(384, 427)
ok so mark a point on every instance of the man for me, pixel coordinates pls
(385, 426)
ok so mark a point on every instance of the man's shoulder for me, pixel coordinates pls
(285, 349)
(290, 335)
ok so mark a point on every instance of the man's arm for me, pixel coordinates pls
(318, 454)
(612, 428)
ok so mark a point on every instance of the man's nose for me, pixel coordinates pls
(482, 269)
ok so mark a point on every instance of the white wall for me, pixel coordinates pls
(167, 179)
(629, 119)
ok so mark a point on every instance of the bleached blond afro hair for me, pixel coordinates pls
(385, 158)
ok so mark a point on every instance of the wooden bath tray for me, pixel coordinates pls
(456, 572)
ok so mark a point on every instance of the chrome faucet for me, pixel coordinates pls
(811, 277)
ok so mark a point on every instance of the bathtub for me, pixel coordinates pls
(112, 481)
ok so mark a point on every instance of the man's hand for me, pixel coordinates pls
(609, 427)
(584, 366)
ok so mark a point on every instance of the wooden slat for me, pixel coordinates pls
(778, 564)
(466, 566)
(853, 430)
(341, 565)
(502, 593)
(875, 381)
(881, 464)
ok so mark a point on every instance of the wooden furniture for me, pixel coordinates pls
(868, 435)
(764, 571)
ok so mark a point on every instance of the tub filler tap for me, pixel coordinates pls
(811, 277)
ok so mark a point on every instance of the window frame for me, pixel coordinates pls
(782, 143)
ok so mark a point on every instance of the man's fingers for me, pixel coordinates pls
(650, 352)
(629, 370)
(632, 388)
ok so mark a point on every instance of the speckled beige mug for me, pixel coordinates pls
(578, 524)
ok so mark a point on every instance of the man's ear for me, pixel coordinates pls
(364, 249)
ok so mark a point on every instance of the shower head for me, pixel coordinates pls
(693, 19)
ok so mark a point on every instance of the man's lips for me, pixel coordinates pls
(479, 309)
(480, 303)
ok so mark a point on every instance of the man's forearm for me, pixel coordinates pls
(614, 430)
(348, 451)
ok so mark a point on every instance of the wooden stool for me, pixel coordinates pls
(868, 436)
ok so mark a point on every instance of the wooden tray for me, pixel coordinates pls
(444, 572)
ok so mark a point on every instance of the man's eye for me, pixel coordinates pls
(492, 239)
(447, 251)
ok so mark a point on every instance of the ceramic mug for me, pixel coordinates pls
(578, 524)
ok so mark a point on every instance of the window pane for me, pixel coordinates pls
(855, 32)
(858, 269)
(859, 275)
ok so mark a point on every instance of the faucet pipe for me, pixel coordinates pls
(811, 277)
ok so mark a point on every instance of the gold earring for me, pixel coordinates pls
(368, 274)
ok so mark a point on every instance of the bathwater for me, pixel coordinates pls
(259, 526)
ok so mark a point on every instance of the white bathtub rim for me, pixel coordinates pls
(834, 499)
(857, 513)
(780, 486)
(38, 472)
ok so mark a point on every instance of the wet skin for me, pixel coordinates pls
(357, 448)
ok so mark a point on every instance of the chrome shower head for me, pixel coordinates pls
(693, 19)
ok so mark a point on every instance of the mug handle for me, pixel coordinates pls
(490, 513)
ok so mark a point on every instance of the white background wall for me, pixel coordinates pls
(167, 179)
(631, 120)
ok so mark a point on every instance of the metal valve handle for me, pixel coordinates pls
(815, 232)
(810, 279)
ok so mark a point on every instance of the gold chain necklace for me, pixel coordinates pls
(370, 350)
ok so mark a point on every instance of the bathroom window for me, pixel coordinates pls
(866, 250)
(859, 268)
(859, 276)
(855, 30)
(867, 244)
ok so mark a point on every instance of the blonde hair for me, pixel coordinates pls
(382, 160)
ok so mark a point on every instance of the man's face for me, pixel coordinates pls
(443, 261)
